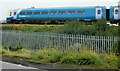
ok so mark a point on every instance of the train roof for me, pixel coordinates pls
(62, 8)
(114, 6)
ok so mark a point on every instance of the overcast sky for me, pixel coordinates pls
(6, 5)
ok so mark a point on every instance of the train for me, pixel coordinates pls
(64, 14)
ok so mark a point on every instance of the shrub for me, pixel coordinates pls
(84, 57)
(101, 25)
(7, 28)
(76, 27)
(13, 48)
(112, 31)
(87, 59)
(37, 55)
(100, 28)
(55, 57)
(45, 53)
(111, 60)
(23, 50)
(69, 59)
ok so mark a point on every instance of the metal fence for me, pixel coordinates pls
(38, 40)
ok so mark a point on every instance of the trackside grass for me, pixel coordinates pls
(31, 28)
(83, 58)
(99, 28)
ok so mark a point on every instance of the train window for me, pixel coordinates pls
(71, 12)
(29, 13)
(53, 12)
(99, 12)
(116, 11)
(22, 13)
(81, 12)
(10, 13)
(36, 13)
(14, 13)
(44, 13)
(61, 12)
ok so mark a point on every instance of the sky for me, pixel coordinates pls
(6, 5)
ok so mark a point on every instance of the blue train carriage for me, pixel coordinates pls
(115, 15)
(59, 14)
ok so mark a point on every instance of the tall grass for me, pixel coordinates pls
(71, 56)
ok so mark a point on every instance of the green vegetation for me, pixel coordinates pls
(70, 57)
(31, 28)
(99, 28)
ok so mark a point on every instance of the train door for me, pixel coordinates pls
(16, 12)
(98, 13)
(15, 15)
(116, 13)
(10, 13)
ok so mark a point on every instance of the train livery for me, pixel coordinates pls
(39, 15)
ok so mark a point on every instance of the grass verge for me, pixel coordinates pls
(72, 58)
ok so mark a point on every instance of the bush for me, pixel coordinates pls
(55, 57)
(37, 55)
(101, 25)
(69, 59)
(100, 28)
(85, 57)
(23, 50)
(7, 28)
(111, 59)
(13, 49)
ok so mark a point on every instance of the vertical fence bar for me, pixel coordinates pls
(109, 47)
(102, 44)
